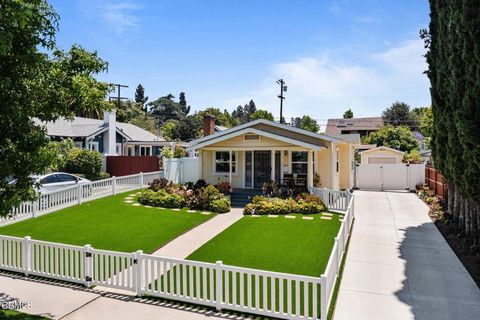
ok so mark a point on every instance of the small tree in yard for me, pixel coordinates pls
(348, 114)
(84, 162)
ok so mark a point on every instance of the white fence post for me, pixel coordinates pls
(323, 297)
(79, 194)
(140, 178)
(34, 209)
(114, 185)
(219, 284)
(137, 271)
(88, 264)
(26, 255)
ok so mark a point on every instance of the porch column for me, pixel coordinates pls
(272, 160)
(230, 167)
(315, 163)
(310, 169)
(200, 164)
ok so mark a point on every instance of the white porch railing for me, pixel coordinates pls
(70, 196)
(261, 292)
(333, 200)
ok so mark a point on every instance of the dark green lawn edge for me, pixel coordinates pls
(17, 315)
(333, 303)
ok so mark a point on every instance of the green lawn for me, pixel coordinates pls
(277, 244)
(15, 315)
(111, 224)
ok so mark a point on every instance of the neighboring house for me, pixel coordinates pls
(106, 136)
(381, 155)
(362, 126)
(252, 153)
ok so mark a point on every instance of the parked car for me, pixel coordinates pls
(56, 180)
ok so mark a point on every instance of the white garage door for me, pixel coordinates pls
(398, 176)
(376, 160)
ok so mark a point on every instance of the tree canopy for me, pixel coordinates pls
(306, 123)
(165, 108)
(140, 97)
(221, 118)
(348, 114)
(453, 40)
(396, 137)
(38, 80)
(262, 114)
(397, 114)
(244, 114)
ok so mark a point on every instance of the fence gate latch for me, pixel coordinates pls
(88, 278)
(135, 261)
(88, 254)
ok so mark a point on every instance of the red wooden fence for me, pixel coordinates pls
(125, 165)
(435, 181)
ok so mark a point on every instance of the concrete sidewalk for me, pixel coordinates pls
(187, 243)
(64, 301)
(399, 266)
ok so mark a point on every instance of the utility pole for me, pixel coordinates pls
(283, 88)
(118, 97)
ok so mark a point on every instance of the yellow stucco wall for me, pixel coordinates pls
(324, 168)
(240, 142)
(345, 166)
(208, 170)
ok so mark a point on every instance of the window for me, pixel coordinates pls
(49, 179)
(66, 178)
(118, 148)
(299, 162)
(337, 163)
(222, 162)
(78, 144)
(145, 150)
(252, 137)
(93, 145)
(130, 150)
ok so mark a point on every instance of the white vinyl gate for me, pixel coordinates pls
(398, 176)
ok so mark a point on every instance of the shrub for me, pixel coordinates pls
(262, 205)
(166, 152)
(224, 187)
(179, 152)
(87, 162)
(200, 184)
(158, 184)
(221, 205)
(161, 198)
(104, 175)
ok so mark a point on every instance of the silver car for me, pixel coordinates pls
(58, 180)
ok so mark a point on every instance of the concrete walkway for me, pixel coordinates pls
(187, 243)
(399, 266)
(72, 302)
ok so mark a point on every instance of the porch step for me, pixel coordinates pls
(241, 197)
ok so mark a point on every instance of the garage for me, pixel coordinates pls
(381, 155)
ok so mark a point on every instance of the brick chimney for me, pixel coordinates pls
(208, 125)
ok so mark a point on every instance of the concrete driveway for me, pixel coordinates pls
(399, 266)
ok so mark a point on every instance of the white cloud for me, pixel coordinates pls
(118, 16)
(325, 86)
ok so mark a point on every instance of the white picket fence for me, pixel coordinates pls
(70, 196)
(333, 200)
(266, 293)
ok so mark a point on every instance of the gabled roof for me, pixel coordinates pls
(336, 126)
(80, 127)
(269, 123)
(382, 148)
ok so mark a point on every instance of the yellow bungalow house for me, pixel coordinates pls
(250, 154)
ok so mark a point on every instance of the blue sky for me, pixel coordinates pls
(333, 55)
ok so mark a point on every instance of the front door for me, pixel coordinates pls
(262, 167)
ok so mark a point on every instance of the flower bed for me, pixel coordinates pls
(304, 203)
(198, 196)
(436, 204)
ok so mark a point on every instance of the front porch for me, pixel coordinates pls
(251, 168)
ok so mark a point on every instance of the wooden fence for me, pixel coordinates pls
(272, 294)
(127, 165)
(435, 181)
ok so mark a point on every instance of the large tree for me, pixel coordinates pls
(398, 114)
(453, 40)
(244, 114)
(140, 97)
(36, 80)
(305, 123)
(399, 138)
(262, 114)
(221, 118)
(165, 108)
(188, 129)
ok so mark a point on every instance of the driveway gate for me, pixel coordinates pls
(399, 176)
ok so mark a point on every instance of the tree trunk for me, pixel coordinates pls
(450, 198)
